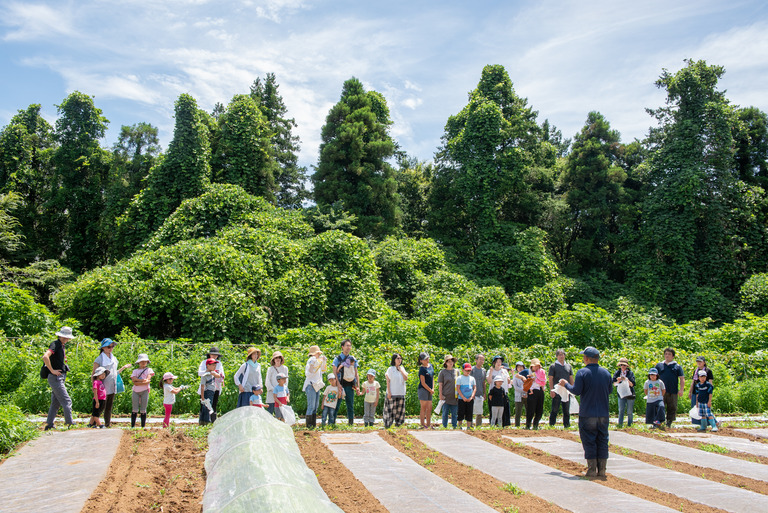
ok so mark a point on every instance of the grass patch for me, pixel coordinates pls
(513, 489)
(15, 429)
(719, 449)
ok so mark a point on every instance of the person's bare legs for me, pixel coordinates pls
(425, 414)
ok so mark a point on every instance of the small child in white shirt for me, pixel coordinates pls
(370, 388)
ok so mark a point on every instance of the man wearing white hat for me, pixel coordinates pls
(55, 370)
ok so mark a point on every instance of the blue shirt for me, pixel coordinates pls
(466, 385)
(593, 383)
(670, 375)
(702, 391)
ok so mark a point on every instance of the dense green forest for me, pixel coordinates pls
(225, 236)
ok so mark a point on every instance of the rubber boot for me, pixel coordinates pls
(213, 417)
(591, 468)
(312, 421)
(143, 419)
(713, 423)
(133, 419)
(601, 463)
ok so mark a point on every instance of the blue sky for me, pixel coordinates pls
(567, 57)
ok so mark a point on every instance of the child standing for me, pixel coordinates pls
(99, 396)
(281, 395)
(169, 396)
(207, 389)
(497, 398)
(140, 377)
(255, 399)
(371, 390)
(704, 391)
(330, 400)
(521, 395)
(466, 388)
(654, 394)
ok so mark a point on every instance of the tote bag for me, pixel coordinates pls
(119, 385)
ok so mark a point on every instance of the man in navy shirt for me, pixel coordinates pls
(593, 383)
(671, 373)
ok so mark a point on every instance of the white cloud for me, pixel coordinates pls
(33, 21)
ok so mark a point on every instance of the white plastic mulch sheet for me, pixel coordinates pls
(254, 464)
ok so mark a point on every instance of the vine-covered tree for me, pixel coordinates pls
(245, 155)
(291, 188)
(81, 168)
(183, 173)
(353, 165)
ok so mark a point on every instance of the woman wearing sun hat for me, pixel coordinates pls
(534, 407)
(108, 360)
(276, 366)
(218, 381)
(313, 383)
(626, 403)
(248, 376)
(446, 385)
(55, 371)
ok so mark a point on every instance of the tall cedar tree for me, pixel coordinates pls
(353, 164)
(26, 146)
(686, 259)
(81, 166)
(183, 173)
(244, 155)
(291, 190)
(482, 179)
(593, 182)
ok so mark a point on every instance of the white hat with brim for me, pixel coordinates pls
(142, 358)
(65, 332)
(169, 375)
(99, 371)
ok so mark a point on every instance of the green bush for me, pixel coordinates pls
(20, 315)
(754, 294)
(14, 428)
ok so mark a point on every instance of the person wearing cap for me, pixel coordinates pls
(521, 394)
(169, 396)
(207, 391)
(701, 364)
(593, 384)
(316, 365)
(394, 405)
(108, 360)
(654, 397)
(671, 373)
(345, 369)
(276, 366)
(218, 380)
(704, 390)
(478, 372)
(466, 387)
(99, 396)
(330, 398)
(557, 371)
(141, 378)
(498, 369)
(446, 386)
(281, 394)
(534, 408)
(497, 398)
(425, 390)
(255, 399)
(55, 371)
(248, 376)
(370, 388)
(627, 402)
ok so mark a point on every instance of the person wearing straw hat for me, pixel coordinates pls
(108, 360)
(446, 386)
(316, 365)
(218, 380)
(594, 384)
(55, 371)
(534, 407)
(626, 402)
(140, 377)
(276, 366)
(248, 376)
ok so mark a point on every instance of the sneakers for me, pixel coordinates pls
(715, 429)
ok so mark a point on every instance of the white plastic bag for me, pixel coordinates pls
(574, 409)
(694, 413)
(623, 389)
(439, 406)
(288, 415)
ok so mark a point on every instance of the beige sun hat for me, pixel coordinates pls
(535, 361)
(276, 354)
(252, 350)
(624, 361)
(314, 350)
(449, 357)
(142, 358)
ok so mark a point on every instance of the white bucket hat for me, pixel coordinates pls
(65, 332)
(99, 371)
(142, 358)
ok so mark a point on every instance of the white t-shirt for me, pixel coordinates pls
(396, 381)
(370, 390)
(168, 396)
(313, 371)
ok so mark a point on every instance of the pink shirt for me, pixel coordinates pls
(101, 392)
(140, 373)
(541, 379)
